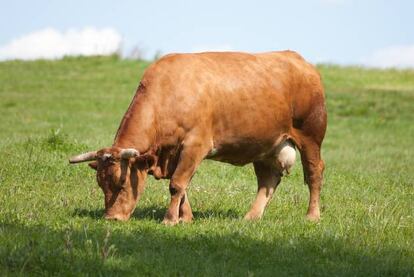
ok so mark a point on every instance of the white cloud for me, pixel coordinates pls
(52, 44)
(394, 56)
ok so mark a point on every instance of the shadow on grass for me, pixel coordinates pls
(91, 213)
(172, 252)
(157, 213)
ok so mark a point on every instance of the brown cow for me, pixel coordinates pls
(233, 107)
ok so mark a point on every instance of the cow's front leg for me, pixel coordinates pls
(268, 177)
(190, 158)
(185, 212)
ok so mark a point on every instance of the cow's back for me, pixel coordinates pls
(239, 100)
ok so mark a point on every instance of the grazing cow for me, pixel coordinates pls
(232, 107)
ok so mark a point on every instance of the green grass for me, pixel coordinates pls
(50, 212)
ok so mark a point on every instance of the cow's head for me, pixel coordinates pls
(121, 174)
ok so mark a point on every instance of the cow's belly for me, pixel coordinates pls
(249, 124)
(241, 151)
(236, 156)
(243, 137)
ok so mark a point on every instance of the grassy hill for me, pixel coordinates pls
(50, 212)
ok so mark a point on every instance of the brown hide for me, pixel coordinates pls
(240, 105)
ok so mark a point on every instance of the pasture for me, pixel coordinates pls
(50, 211)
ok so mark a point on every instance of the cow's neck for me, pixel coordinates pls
(137, 128)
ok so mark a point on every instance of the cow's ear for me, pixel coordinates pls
(93, 165)
(145, 161)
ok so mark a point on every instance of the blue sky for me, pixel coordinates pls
(369, 32)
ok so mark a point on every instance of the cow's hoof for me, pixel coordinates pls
(313, 217)
(186, 219)
(252, 216)
(170, 222)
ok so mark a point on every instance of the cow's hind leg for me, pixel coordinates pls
(313, 167)
(309, 139)
(190, 157)
(268, 178)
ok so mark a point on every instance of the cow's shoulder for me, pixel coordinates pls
(160, 67)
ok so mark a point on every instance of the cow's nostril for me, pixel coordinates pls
(110, 217)
(116, 217)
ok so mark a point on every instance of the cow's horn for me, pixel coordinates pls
(128, 153)
(89, 156)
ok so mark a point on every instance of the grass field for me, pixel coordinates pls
(50, 212)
